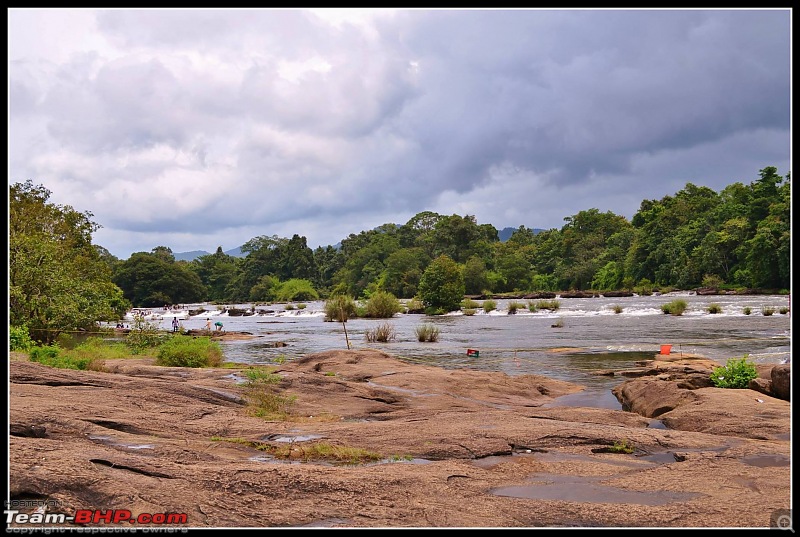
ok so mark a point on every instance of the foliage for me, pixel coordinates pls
(551, 305)
(340, 308)
(427, 333)
(513, 306)
(617, 308)
(19, 338)
(468, 303)
(151, 280)
(54, 356)
(382, 333)
(746, 310)
(489, 305)
(58, 280)
(736, 373)
(676, 307)
(382, 305)
(442, 284)
(296, 289)
(414, 305)
(621, 446)
(767, 310)
(144, 335)
(714, 309)
(186, 351)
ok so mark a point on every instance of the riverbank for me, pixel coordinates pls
(453, 448)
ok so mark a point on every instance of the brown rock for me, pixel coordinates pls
(781, 376)
(452, 443)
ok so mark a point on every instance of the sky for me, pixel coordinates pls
(196, 129)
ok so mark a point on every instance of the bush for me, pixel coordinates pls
(381, 333)
(144, 335)
(185, 351)
(514, 306)
(617, 308)
(382, 305)
(489, 305)
(714, 308)
(767, 310)
(746, 310)
(427, 332)
(737, 373)
(469, 304)
(414, 305)
(676, 307)
(469, 311)
(551, 305)
(296, 290)
(19, 338)
(339, 308)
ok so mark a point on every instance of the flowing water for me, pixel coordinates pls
(573, 343)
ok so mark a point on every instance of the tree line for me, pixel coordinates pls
(737, 237)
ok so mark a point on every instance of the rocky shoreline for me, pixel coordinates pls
(457, 448)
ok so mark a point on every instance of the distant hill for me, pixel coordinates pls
(194, 254)
(505, 233)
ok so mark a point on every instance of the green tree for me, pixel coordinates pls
(58, 280)
(150, 280)
(441, 287)
(475, 276)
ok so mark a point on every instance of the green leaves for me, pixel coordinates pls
(735, 374)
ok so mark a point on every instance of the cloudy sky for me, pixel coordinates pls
(195, 129)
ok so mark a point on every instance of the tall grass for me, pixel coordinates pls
(382, 305)
(427, 332)
(339, 308)
(489, 305)
(185, 351)
(382, 333)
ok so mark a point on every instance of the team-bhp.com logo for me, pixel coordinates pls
(16, 514)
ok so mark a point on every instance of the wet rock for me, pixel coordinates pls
(781, 376)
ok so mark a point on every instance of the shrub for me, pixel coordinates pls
(714, 308)
(746, 310)
(427, 332)
(144, 335)
(382, 333)
(676, 307)
(621, 446)
(185, 351)
(736, 373)
(339, 308)
(289, 307)
(302, 306)
(784, 310)
(469, 304)
(617, 308)
(532, 306)
(414, 305)
(767, 310)
(382, 305)
(19, 338)
(489, 305)
(469, 311)
(713, 281)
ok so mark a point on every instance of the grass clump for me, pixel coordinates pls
(264, 400)
(616, 308)
(736, 373)
(767, 310)
(469, 304)
(676, 307)
(382, 333)
(186, 351)
(746, 310)
(551, 305)
(317, 451)
(784, 310)
(621, 446)
(427, 333)
(714, 309)
(489, 305)
(469, 312)
(513, 306)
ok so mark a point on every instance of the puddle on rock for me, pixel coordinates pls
(290, 438)
(111, 442)
(765, 460)
(586, 490)
(657, 424)
(587, 398)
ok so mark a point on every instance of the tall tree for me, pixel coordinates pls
(58, 280)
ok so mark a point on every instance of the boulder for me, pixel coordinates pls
(781, 377)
